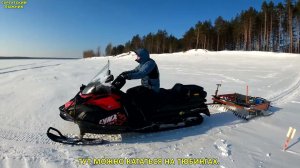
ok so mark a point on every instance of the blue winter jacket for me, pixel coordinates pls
(147, 71)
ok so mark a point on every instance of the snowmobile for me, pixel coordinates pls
(101, 107)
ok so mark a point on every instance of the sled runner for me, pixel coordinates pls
(243, 106)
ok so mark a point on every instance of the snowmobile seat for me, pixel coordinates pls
(188, 91)
(180, 93)
(143, 104)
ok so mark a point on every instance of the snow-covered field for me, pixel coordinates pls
(32, 90)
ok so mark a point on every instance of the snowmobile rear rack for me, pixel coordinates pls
(243, 106)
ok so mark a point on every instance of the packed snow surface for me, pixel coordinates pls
(32, 90)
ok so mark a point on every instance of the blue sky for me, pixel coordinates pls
(65, 28)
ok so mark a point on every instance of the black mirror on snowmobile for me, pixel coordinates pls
(82, 87)
(109, 78)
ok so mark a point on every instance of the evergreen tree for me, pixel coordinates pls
(273, 28)
(136, 42)
(297, 15)
(188, 40)
(289, 10)
(220, 26)
(108, 49)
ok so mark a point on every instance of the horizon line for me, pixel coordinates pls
(25, 57)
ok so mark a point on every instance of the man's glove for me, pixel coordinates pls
(124, 73)
(119, 82)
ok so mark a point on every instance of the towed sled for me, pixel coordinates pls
(243, 106)
(102, 108)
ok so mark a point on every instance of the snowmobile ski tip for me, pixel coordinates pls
(60, 138)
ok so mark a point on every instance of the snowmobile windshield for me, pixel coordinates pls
(101, 82)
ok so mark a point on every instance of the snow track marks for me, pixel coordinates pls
(279, 98)
(37, 138)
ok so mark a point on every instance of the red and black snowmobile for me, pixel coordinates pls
(102, 108)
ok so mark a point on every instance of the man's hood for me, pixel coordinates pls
(143, 54)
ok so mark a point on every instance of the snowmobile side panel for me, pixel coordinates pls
(87, 127)
(107, 103)
(69, 103)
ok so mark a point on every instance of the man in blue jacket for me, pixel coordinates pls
(140, 101)
(147, 71)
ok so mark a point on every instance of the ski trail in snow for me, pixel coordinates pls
(22, 65)
(285, 94)
(293, 152)
(29, 68)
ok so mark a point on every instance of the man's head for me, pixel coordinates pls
(142, 55)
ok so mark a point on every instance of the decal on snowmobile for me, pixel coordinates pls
(109, 120)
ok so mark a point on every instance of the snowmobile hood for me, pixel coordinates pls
(143, 54)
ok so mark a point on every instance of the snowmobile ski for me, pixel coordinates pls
(60, 138)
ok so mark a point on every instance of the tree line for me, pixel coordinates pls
(275, 27)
